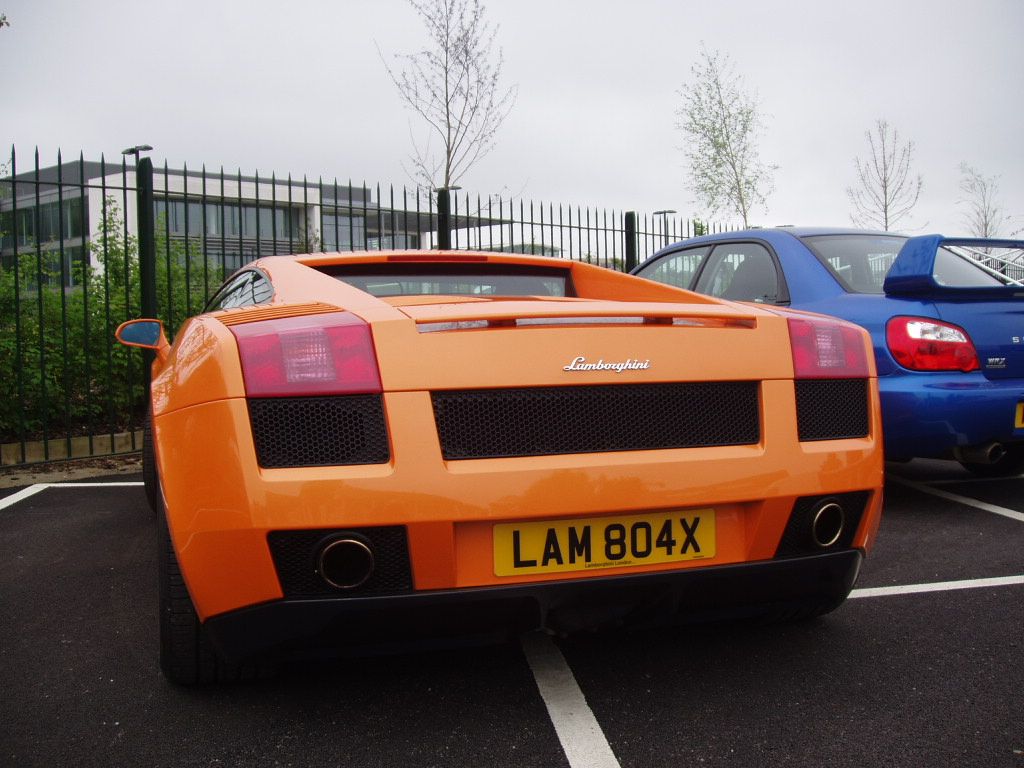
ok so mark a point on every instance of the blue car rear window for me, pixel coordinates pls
(859, 262)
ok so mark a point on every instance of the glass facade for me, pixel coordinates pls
(222, 219)
(44, 224)
(222, 233)
(343, 233)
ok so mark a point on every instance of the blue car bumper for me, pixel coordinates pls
(927, 415)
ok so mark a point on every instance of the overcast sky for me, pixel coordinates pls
(299, 87)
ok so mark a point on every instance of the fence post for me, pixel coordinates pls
(147, 245)
(147, 235)
(444, 228)
(630, 244)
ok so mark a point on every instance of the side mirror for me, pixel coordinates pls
(148, 334)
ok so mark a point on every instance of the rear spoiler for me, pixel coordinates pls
(912, 273)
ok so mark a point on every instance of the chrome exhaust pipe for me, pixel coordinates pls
(988, 453)
(345, 563)
(828, 523)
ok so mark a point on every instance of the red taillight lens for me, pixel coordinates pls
(827, 349)
(924, 344)
(327, 354)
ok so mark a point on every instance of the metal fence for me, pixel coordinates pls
(70, 236)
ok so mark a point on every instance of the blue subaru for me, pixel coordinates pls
(946, 317)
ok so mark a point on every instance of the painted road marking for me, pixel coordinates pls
(24, 493)
(965, 500)
(938, 586)
(582, 739)
(32, 490)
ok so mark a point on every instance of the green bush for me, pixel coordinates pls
(64, 372)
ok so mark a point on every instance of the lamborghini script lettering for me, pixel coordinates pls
(581, 364)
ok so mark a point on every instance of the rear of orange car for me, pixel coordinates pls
(395, 446)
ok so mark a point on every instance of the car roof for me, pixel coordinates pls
(770, 233)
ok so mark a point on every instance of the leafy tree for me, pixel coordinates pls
(886, 189)
(721, 123)
(454, 86)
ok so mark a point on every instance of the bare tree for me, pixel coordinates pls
(886, 189)
(454, 85)
(721, 122)
(984, 216)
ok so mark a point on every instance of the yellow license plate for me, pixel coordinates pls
(1019, 423)
(555, 546)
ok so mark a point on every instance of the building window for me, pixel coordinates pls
(343, 233)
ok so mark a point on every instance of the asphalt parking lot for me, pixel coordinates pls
(923, 666)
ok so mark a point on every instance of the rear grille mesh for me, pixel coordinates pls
(499, 423)
(831, 409)
(295, 558)
(319, 431)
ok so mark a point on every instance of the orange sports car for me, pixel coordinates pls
(354, 451)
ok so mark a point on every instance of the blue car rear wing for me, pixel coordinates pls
(913, 271)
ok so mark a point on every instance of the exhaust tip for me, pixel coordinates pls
(345, 563)
(988, 453)
(827, 523)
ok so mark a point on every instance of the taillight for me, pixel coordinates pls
(325, 354)
(827, 349)
(924, 344)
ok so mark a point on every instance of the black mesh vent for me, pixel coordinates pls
(798, 539)
(497, 423)
(830, 409)
(295, 557)
(319, 431)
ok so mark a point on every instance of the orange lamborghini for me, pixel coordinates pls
(354, 451)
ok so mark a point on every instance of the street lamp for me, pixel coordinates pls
(134, 151)
(664, 221)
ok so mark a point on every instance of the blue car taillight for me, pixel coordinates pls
(925, 344)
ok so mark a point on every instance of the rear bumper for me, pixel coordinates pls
(291, 628)
(928, 415)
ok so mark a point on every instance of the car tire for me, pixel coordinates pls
(186, 655)
(150, 481)
(1011, 464)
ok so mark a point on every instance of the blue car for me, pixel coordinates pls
(947, 327)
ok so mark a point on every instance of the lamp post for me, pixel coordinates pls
(444, 229)
(134, 151)
(664, 221)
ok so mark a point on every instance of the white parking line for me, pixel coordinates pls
(582, 739)
(24, 493)
(984, 506)
(32, 490)
(938, 586)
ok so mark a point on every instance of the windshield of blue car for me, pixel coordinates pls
(861, 262)
(454, 279)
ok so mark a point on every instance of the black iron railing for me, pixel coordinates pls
(72, 233)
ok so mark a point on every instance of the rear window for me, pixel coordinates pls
(397, 279)
(861, 262)
(955, 270)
